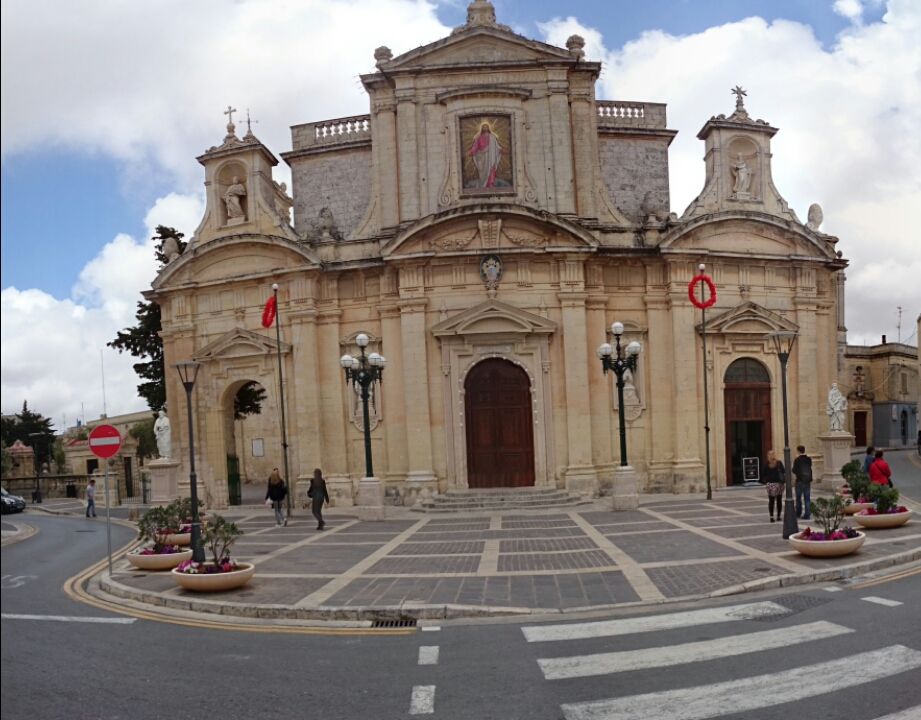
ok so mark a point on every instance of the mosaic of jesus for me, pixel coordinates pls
(486, 145)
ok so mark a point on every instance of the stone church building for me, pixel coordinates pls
(485, 224)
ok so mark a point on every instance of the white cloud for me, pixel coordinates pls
(850, 9)
(53, 350)
(848, 119)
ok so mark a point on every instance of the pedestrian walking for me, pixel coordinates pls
(772, 476)
(318, 495)
(91, 498)
(880, 472)
(802, 471)
(868, 459)
(276, 492)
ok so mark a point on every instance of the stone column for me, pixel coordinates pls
(394, 407)
(420, 479)
(806, 426)
(385, 149)
(583, 130)
(305, 405)
(659, 359)
(561, 177)
(407, 137)
(332, 408)
(599, 391)
(688, 402)
(580, 472)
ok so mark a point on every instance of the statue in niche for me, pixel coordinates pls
(837, 406)
(859, 381)
(814, 217)
(171, 249)
(162, 431)
(233, 199)
(742, 176)
(632, 405)
(326, 225)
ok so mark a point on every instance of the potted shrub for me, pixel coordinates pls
(160, 554)
(833, 540)
(222, 573)
(856, 490)
(886, 511)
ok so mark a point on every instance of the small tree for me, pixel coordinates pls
(857, 480)
(155, 526)
(884, 496)
(828, 512)
(219, 536)
(143, 433)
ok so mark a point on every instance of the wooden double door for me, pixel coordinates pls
(499, 424)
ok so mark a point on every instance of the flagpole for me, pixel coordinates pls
(281, 398)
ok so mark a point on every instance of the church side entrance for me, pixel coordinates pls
(499, 426)
(747, 396)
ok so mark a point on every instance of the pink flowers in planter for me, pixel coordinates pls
(160, 550)
(840, 534)
(874, 511)
(191, 567)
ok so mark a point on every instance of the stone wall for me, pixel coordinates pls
(635, 173)
(339, 180)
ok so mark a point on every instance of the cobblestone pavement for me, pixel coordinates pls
(515, 561)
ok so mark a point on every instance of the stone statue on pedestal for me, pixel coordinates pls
(837, 406)
(164, 439)
(232, 199)
(743, 177)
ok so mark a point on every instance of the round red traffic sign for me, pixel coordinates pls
(701, 302)
(104, 441)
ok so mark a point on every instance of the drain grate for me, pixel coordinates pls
(795, 604)
(401, 623)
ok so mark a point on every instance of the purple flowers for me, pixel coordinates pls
(191, 567)
(841, 534)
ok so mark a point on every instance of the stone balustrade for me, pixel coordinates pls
(332, 132)
(619, 114)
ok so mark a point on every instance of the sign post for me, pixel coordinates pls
(703, 303)
(105, 441)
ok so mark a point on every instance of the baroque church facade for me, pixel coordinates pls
(484, 224)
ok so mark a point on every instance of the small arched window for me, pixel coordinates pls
(746, 370)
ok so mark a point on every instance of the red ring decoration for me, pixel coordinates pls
(268, 314)
(702, 304)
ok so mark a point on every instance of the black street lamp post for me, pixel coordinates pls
(783, 344)
(363, 372)
(614, 359)
(37, 466)
(188, 373)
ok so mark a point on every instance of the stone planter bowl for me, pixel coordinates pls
(826, 548)
(178, 539)
(856, 507)
(215, 582)
(887, 520)
(158, 562)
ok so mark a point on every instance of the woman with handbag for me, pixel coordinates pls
(276, 493)
(318, 495)
(772, 475)
(880, 472)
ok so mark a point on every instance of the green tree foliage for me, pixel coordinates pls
(143, 340)
(33, 430)
(60, 457)
(143, 433)
(248, 400)
(6, 460)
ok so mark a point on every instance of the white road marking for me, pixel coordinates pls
(9, 582)
(428, 655)
(624, 661)
(833, 588)
(423, 700)
(881, 601)
(69, 618)
(668, 621)
(912, 713)
(430, 628)
(752, 693)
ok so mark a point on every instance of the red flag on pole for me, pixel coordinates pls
(268, 314)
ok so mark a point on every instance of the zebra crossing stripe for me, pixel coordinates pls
(881, 601)
(912, 713)
(422, 701)
(668, 621)
(752, 693)
(624, 661)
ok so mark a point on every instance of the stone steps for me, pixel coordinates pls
(455, 501)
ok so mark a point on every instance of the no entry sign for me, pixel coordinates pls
(104, 441)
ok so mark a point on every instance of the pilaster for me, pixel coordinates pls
(580, 472)
(416, 390)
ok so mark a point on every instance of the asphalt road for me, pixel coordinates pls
(812, 653)
(906, 472)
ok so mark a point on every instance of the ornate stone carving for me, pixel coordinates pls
(382, 55)
(171, 249)
(742, 179)
(814, 217)
(491, 272)
(233, 200)
(481, 13)
(527, 240)
(490, 229)
(326, 228)
(457, 241)
(164, 438)
(836, 408)
(576, 46)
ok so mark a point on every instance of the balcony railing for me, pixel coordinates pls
(332, 132)
(617, 114)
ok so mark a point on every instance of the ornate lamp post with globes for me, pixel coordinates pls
(783, 344)
(618, 360)
(188, 373)
(363, 371)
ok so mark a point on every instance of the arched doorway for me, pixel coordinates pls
(245, 434)
(747, 395)
(500, 435)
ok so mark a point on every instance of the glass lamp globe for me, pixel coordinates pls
(374, 359)
(605, 350)
(617, 329)
(634, 348)
(346, 361)
(362, 340)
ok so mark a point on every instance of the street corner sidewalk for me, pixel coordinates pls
(556, 560)
(16, 531)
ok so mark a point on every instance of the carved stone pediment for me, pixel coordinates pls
(239, 343)
(494, 318)
(748, 319)
(483, 232)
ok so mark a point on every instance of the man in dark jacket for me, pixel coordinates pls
(802, 472)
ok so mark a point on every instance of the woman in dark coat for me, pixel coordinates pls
(772, 475)
(318, 495)
(277, 491)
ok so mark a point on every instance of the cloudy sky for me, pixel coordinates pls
(105, 105)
